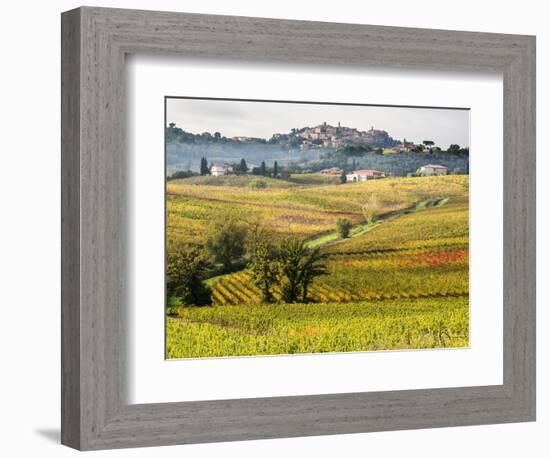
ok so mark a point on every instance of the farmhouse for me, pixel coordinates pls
(219, 170)
(331, 171)
(432, 169)
(364, 175)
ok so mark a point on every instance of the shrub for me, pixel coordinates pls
(343, 226)
(181, 174)
(172, 304)
(257, 184)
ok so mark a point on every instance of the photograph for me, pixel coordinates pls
(305, 227)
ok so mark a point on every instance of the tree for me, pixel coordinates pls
(290, 257)
(353, 150)
(242, 168)
(343, 227)
(275, 169)
(311, 268)
(262, 168)
(185, 271)
(453, 149)
(298, 266)
(343, 177)
(217, 136)
(172, 125)
(428, 144)
(204, 170)
(264, 268)
(226, 242)
(371, 210)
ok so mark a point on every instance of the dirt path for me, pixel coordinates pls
(360, 229)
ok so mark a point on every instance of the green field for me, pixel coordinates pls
(398, 282)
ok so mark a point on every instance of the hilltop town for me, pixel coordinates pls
(321, 136)
(311, 149)
(328, 136)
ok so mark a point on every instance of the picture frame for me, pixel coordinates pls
(95, 410)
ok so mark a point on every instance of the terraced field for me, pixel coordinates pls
(400, 282)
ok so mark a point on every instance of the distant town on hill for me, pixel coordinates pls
(321, 136)
(311, 149)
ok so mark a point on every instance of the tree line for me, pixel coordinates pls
(286, 264)
(238, 168)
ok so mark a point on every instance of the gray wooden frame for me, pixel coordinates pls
(95, 413)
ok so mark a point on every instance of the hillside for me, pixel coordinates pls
(289, 209)
(398, 282)
(310, 149)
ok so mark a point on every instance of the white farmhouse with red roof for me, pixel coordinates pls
(432, 169)
(364, 175)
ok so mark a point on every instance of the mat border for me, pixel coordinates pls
(95, 41)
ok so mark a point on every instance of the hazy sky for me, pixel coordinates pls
(262, 119)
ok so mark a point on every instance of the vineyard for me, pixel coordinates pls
(315, 328)
(399, 282)
(288, 208)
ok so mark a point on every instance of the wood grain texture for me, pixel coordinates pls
(96, 414)
(70, 229)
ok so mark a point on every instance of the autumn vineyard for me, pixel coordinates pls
(396, 278)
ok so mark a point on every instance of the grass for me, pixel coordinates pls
(333, 236)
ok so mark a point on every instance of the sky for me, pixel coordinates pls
(262, 119)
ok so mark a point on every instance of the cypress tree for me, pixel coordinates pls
(343, 177)
(243, 168)
(204, 166)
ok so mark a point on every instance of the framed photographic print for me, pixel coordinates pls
(264, 237)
